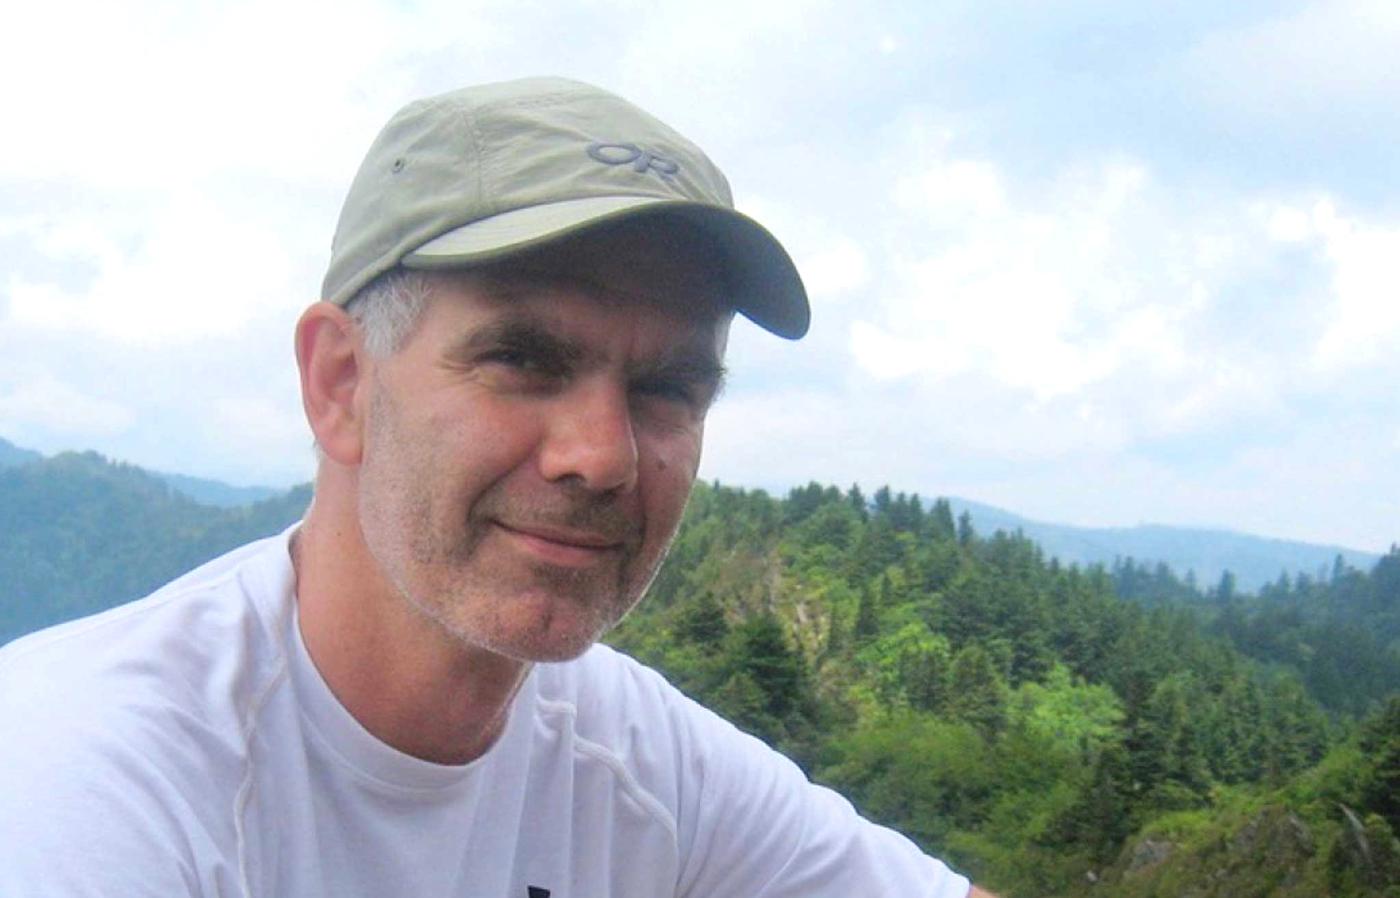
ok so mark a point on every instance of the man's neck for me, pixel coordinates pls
(399, 673)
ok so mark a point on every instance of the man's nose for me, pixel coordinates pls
(590, 439)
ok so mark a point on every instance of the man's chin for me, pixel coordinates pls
(542, 649)
(545, 631)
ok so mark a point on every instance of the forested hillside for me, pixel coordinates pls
(1019, 716)
(1054, 730)
(10, 454)
(1339, 632)
(79, 533)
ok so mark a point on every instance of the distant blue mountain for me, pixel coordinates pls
(79, 534)
(1254, 560)
(215, 492)
(11, 455)
(201, 490)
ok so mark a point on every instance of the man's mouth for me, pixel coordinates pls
(563, 546)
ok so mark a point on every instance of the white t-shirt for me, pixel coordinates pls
(185, 744)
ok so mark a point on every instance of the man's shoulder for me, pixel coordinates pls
(193, 653)
(127, 734)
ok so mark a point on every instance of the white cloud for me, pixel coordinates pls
(952, 192)
(1358, 312)
(193, 271)
(149, 94)
(1027, 291)
(837, 270)
(1167, 314)
(1288, 224)
(1365, 314)
(1320, 58)
(1224, 389)
(51, 405)
(267, 440)
(889, 356)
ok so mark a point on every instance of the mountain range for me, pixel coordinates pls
(1204, 554)
(1200, 553)
(79, 534)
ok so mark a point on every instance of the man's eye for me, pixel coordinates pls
(525, 361)
(511, 357)
(669, 390)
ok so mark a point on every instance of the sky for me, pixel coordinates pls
(1093, 262)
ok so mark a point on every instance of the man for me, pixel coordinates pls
(524, 324)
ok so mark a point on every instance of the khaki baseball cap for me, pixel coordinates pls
(480, 174)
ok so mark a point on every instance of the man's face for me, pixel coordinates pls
(529, 450)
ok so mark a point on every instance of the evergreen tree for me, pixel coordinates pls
(701, 620)
(940, 521)
(884, 501)
(977, 691)
(857, 501)
(1169, 747)
(761, 651)
(965, 532)
(867, 615)
(1380, 742)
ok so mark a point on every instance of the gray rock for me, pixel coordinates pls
(1148, 853)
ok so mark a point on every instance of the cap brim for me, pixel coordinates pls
(767, 288)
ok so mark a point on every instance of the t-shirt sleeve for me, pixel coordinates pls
(84, 809)
(753, 826)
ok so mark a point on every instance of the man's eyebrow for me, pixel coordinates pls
(519, 333)
(692, 365)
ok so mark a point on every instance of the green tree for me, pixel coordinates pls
(701, 620)
(940, 522)
(910, 667)
(1067, 713)
(1380, 742)
(761, 651)
(977, 690)
(1170, 760)
(921, 775)
(965, 532)
(867, 614)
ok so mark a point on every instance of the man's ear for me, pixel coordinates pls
(331, 359)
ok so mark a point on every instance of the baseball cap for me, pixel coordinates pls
(478, 175)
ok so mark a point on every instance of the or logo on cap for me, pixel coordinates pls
(642, 161)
